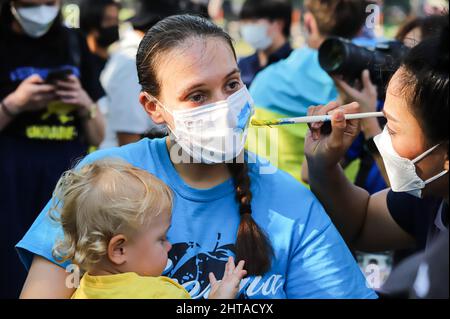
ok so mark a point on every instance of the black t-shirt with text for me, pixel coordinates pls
(22, 56)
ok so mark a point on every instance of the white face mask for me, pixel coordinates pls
(36, 20)
(256, 35)
(402, 171)
(214, 133)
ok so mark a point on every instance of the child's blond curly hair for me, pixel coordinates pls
(101, 200)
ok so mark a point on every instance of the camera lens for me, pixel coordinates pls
(338, 56)
(332, 55)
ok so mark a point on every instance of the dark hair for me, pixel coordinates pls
(269, 9)
(92, 13)
(424, 83)
(252, 244)
(342, 18)
(193, 7)
(149, 13)
(429, 26)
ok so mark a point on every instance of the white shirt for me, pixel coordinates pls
(121, 106)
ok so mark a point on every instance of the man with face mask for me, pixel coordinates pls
(99, 22)
(265, 25)
(48, 117)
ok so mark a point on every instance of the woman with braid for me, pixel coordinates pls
(227, 203)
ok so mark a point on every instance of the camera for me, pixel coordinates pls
(338, 56)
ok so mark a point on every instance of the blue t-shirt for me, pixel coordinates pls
(311, 259)
(292, 85)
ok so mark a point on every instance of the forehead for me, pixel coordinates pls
(395, 92)
(195, 60)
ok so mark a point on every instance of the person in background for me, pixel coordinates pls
(423, 275)
(266, 26)
(420, 28)
(48, 117)
(431, 7)
(198, 7)
(289, 87)
(99, 22)
(120, 80)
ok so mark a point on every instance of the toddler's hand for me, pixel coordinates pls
(228, 287)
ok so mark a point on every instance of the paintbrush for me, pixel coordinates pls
(313, 119)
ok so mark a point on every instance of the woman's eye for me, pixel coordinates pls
(390, 131)
(197, 98)
(234, 85)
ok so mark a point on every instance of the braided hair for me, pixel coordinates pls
(252, 244)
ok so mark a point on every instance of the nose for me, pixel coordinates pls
(219, 95)
(169, 246)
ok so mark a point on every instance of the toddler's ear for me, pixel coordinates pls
(116, 250)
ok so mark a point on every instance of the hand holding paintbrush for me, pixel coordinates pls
(329, 147)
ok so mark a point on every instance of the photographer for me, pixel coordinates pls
(420, 28)
(414, 146)
(48, 117)
(289, 87)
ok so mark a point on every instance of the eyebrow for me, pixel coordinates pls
(195, 86)
(389, 117)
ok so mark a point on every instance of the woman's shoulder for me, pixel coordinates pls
(282, 192)
(140, 154)
(268, 175)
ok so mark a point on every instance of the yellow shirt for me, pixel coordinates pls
(129, 286)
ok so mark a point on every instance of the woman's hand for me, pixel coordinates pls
(32, 94)
(325, 151)
(228, 287)
(71, 92)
